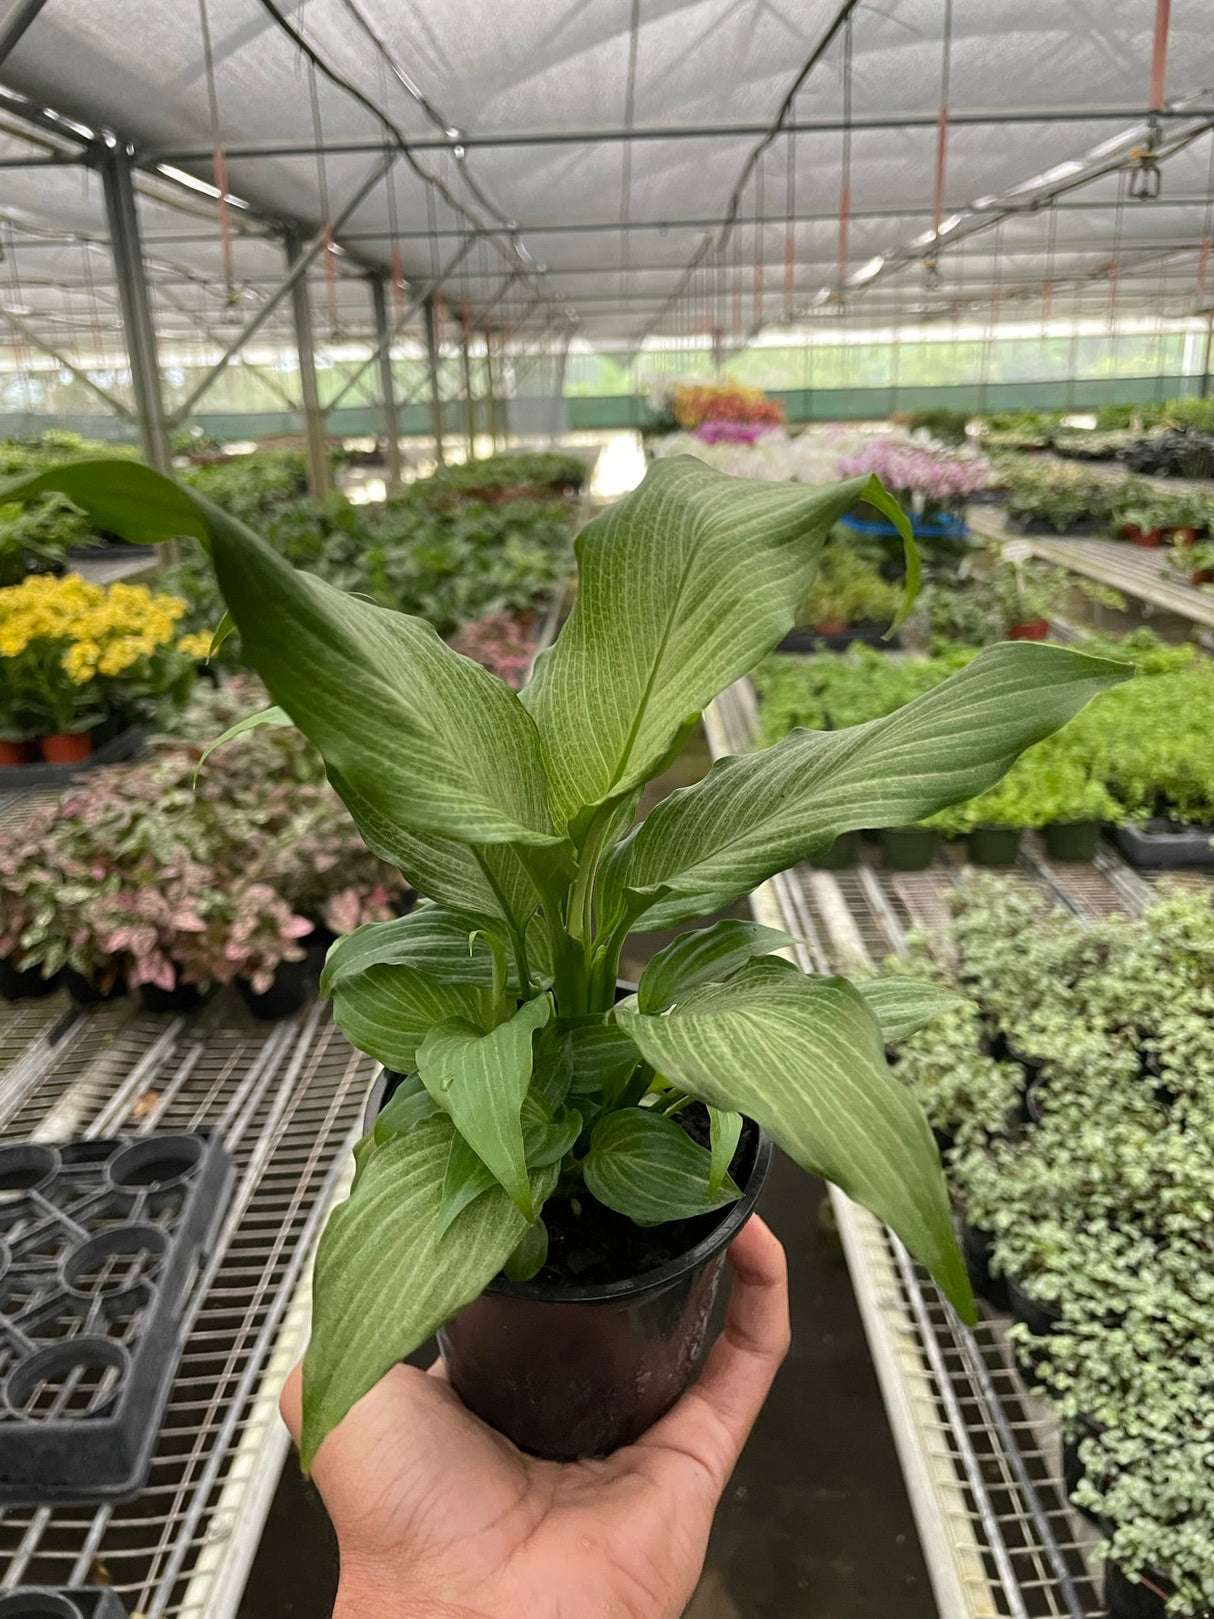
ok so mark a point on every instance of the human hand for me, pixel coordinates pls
(439, 1517)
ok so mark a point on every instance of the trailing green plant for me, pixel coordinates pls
(1101, 1211)
(514, 815)
(1056, 496)
(849, 589)
(1005, 593)
(513, 473)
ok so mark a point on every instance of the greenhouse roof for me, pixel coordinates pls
(623, 169)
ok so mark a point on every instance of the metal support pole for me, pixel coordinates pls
(137, 324)
(1204, 390)
(436, 398)
(387, 383)
(495, 428)
(319, 478)
(469, 402)
(16, 20)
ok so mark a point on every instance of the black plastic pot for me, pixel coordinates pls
(293, 987)
(841, 854)
(24, 983)
(1040, 1319)
(182, 997)
(1144, 1598)
(1071, 841)
(87, 992)
(1162, 845)
(1073, 1470)
(994, 845)
(976, 1250)
(908, 848)
(61, 1602)
(567, 1372)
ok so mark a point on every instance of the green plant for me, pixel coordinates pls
(514, 473)
(1004, 594)
(849, 589)
(949, 426)
(514, 815)
(34, 536)
(1055, 496)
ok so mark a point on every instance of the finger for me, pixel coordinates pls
(439, 1370)
(711, 1422)
(290, 1402)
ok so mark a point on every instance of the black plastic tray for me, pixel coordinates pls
(25, 778)
(1160, 846)
(99, 1244)
(61, 1602)
(806, 639)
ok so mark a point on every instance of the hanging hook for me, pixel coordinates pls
(1146, 180)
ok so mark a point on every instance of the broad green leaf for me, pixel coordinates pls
(251, 722)
(529, 1256)
(552, 1066)
(223, 630)
(704, 956)
(466, 1178)
(805, 1058)
(430, 740)
(122, 497)
(756, 814)
(644, 1166)
(605, 1057)
(385, 1280)
(487, 881)
(548, 1143)
(682, 587)
(726, 1130)
(480, 1081)
(902, 1005)
(409, 1103)
(431, 939)
(388, 1011)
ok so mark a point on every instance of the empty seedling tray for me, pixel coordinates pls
(61, 1602)
(99, 1243)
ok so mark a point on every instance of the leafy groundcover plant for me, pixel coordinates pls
(514, 814)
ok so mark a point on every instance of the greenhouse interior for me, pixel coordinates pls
(606, 620)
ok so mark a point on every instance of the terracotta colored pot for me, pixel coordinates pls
(1199, 576)
(68, 748)
(11, 753)
(1149, 539)
(832, 626)
(1033, 629)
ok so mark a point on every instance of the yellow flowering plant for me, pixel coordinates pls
(74, 652)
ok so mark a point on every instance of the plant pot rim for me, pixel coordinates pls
(733, 1218)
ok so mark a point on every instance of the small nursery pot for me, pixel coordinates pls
(976, 1249)
(567, 1372)
(24, 983)
(831, 626)
(907, 848)
(293, 987)
(182, 997)
(1143, 1598)
(1032, 629)
(1071, 841)
(1040, 1319)
(994, 845)
(12, 753)
(1148, 538)
(841, 854)
(66, 747)
(88, 992)
(1184, 535)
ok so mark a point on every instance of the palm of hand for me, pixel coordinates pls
(437, 1514)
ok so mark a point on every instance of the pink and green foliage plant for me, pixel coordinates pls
(503, 643)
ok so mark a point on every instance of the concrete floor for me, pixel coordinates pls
(815, 1523)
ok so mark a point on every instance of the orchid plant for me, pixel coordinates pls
(514, 815)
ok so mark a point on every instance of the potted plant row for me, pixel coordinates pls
(168, 879)
(76, 656)
(538, 1113)
(1089, 1204)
